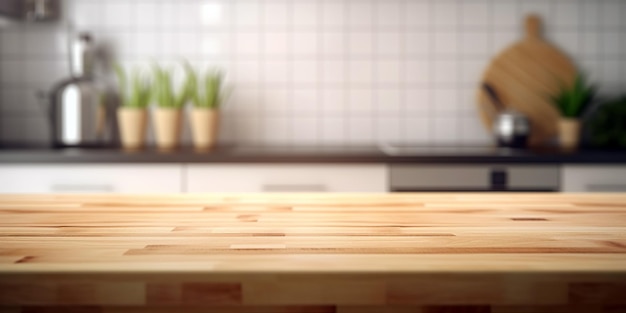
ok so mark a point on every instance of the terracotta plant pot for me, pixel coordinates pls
(167, 124)
(204, 126)
(132, 125)
(569, 133)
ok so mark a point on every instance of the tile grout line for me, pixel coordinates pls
(291, 84)
(402, 56)
(374, 82)
(347, 73)
(431, 70)
(319, 36)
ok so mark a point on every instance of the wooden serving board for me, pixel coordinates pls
(525, 75)
(389, 253)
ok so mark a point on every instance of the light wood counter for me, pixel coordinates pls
(429, 252)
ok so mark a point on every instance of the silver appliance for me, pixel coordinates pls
(442, 170)
(510, 128)
(474, 178)
(79, 113)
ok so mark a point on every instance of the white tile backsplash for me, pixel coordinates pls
(305, 14)
(360, 72)
(446, 72)
(333, 44)
(475, 13)
(247, 14)
(360, 44)
(361, 130)
(417, 129)
(389, 102)
(276, 72)
(118, 14)
(389, 44)
(418, 43)
(417, 101)
(611, 14)
(333, 102)
(305, 101)
(417, 71)
(506, 14)
(333, 72)
(388, 128)
(389, 14)
(12, 72)
(276, 14)
(566, 14)
(360, 101)
(418, 15)
(446, 43)
(11, 43)
(333, 14)
(360, 14)
(305, 44)
(445, 14)
(318, 72)
(148, 15)
(86, 14)
(276, 44)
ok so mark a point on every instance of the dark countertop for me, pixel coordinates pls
(371, 154)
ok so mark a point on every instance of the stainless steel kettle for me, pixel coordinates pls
(79, 114)
(510, 128)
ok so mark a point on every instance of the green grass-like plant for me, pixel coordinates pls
(137, 93)
(163, 89)
(207, 91)
(572, 101)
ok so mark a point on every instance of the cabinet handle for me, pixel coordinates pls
(606, 187)
(294, 187)
(81, 188)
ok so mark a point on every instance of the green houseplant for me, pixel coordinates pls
(206, 95)
(134, 98)
(571, 102)
(169, 103)
(607, 125)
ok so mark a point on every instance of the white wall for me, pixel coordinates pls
(318, 72)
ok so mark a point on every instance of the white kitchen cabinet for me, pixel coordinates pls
(286, 178)
(90, 178)
(604, 178)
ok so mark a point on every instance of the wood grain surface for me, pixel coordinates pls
(444, 252)
(525, 75)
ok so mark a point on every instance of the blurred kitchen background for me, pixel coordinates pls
(315, 72)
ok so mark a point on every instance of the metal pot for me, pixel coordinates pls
(510, 128)
(79, 113)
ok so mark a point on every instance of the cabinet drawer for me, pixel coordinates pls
(594, 178)
(92, 178)
(286, 178)
(474, 178)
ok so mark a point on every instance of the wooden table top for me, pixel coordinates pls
(429, 232)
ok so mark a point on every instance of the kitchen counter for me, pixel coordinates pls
(367, 154)
(449, 252)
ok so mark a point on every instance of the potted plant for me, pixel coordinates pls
(132, 113)
(169, 103)
(572, 101)
(607, 125)
(206, 96)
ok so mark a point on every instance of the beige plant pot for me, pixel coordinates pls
(204, 126)
(167, 123)
(132, 126)
(569, 133)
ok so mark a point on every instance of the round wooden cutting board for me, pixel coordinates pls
(525, 76)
